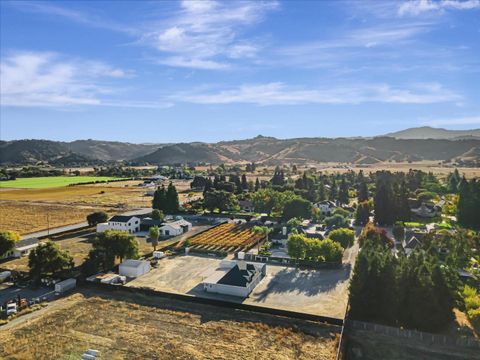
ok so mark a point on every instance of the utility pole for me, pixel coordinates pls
(48, 224)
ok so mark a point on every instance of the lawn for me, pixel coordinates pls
(53, 181)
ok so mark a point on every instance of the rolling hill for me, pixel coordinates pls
(400, 146)
(427, 132)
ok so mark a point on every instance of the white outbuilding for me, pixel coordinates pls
(133, 268)
(175, 228)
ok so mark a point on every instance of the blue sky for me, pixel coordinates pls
(159, 71)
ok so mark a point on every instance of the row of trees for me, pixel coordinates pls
(166, 200)
(468, 207)
(415, 292)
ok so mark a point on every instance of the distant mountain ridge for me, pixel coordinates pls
(427, 132)
(414, 144)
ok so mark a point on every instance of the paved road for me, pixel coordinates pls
(73, 227)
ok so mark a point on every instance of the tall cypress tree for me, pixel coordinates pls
(160, 199)
(172, 203)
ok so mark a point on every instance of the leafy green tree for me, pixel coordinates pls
(296, 246)
(221, 200)
(7, 241)
(337, 221)
(297, 208)
(47, 259)
(344, 237)
(263, 231)
(108, 246)
(97, 218)
(157, 215)
(154, 234)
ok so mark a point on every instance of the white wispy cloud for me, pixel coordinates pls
(207, 34)
(47, 79)
(80, 17)
(278, 93)
(468, 120)
(417, 7)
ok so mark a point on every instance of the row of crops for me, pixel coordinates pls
(226, 238)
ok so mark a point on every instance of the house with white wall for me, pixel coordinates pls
(326, 207)
(22, 248)
(127, 223)
(235, 278)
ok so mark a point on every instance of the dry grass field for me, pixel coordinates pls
(153, 328)
(27, 217)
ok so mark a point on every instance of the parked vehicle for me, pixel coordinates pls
(11, 308)
(4, 275)
(65, 285)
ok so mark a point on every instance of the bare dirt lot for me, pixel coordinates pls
(125, 326)
(319, 292)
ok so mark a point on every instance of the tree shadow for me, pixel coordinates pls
(305, 282)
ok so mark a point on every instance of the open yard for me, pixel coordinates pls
(125, 326)
(52, 181)
(31, 217)
(319, 292)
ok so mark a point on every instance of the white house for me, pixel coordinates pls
(130, 224)
(411, 245)
(175, 228)
(326, 207)
(235, 278)
(22, 248)
(133, 268)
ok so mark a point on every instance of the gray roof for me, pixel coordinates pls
(121, 218)
(26, 242)
(237, 277)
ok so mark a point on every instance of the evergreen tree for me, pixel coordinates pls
(257, 184)
(321, 191)
(343, 192)
(362, 191)
(332, 196)
(384, 199)
(172, 202)
(160, 199)
(244, 182)
(402, 211)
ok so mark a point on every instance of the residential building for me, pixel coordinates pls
(235, 278)
(127, 223)
(326, 207)
(246, 206)
(22, 248)
(411, 244)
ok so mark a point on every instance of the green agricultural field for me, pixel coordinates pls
(53, 181)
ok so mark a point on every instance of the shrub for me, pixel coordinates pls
(345, 237)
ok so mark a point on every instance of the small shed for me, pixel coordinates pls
(133, 268)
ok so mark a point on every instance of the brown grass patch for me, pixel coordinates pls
(27, 218)
(121, 330)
